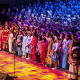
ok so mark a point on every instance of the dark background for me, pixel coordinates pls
(18, 3)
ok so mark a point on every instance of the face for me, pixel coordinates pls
(0, 27)
(37, 31)
(66, 37)
(47, 34)
(6, 27)
(24, 34)
(61, 36)
(29, 34)
(38, 38)
(43, 40)
(19, 33)
(6, 23)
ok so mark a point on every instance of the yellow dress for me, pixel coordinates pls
(49, 54)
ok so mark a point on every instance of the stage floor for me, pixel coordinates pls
(28, 70)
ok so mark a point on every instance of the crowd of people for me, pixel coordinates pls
(42, 33)
(35, 43)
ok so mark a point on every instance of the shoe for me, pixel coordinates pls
(27, 58)
(53, 68)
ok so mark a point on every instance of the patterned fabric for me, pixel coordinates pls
(66, 45)
(38, 48)
(5, 34)
(55, 55)
(73, 72)
(19, 40)
(50, 42)
(74, 60)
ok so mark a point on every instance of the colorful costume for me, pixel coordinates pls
(48, 59)
(33, 48)
(74, 60)
(43, 52)
(5, 39)
(1, 39)
(66, 45)
(55, 54)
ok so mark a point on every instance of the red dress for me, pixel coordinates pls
(1, 39)
(33, 48)
(5, 38)
(43, 52)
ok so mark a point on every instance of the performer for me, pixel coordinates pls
(24, 44)
(10, 41)
(19, 43)
(65, 47)
(50, 43)
(74, 58)
(5, 37)
(43, 51)
(61, 38)
(1, 37)
(28, 44)
(33, 46)
(55, 54)
(38, 48)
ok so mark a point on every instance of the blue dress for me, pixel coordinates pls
(55, 55)
(29, 44)
(66, 45)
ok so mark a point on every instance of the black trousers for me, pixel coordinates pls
(38, 57)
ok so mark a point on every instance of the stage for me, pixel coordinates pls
(29, 70)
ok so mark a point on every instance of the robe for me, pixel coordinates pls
(43, 52)
(10, 42)
(65, 48)
(33, 48)
(24, 45)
